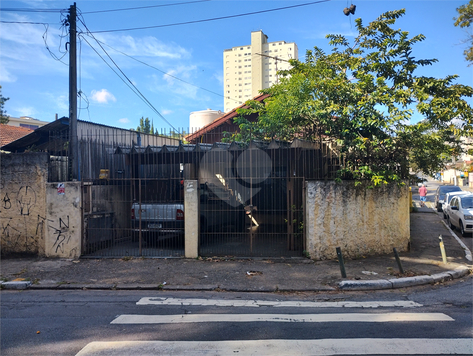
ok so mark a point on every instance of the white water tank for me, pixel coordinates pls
(199, 119)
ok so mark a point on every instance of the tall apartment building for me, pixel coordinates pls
(248, 69)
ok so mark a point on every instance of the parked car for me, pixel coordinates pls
(421, 181)
(440, 194)
(448, 198)
(158, 220)
(460, 214)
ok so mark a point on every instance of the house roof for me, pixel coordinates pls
(10, 133)
(226, 118)
(218, 146)
(41, 138)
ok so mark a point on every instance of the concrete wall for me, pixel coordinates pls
(37, 217)
(23, 219)
(360, 221)
(64, 220)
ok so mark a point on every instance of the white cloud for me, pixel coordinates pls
(103, 96)
(148, 46)
(6, 76)
(63, 102)
(166, 112)
(26, 111)
(125, 120)
(20, 41)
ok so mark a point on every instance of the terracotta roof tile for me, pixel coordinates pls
(221, 120)
(11, 133)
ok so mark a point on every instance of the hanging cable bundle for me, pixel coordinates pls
(349, 10)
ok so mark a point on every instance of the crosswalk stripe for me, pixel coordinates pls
(307, 318)
(366, 346)
(276, 304)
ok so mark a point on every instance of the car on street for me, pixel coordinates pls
(440, 194)
(460, 214)
(448, 198)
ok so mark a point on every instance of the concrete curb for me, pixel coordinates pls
(15, 285)
(403, 282)
(347, 285)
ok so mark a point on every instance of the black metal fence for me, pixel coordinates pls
(251, 194)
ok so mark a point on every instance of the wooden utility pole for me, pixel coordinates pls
(73, 144)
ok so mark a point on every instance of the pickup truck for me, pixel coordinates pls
(158, 218)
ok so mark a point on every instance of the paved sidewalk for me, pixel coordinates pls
(422, 265)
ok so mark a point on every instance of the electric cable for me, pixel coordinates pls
(212, 19)
(30, 10)
(144, 7)
(165, 73)
(135, 90)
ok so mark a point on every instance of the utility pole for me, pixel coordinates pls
(73, 144)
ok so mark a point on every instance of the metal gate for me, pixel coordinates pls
(251, 198)
(251, 204)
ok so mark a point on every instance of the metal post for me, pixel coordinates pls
(140, 234)
(398, 260)
(340, 261)
(442, 250)
(74, 148)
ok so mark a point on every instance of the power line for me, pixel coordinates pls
(165, 73)
(144, 7)
(135, 89)
(26, 22)
(31, 10)
(213, 19)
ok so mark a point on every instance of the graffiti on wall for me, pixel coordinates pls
(62, 234)
(26, 199)
(18, 234)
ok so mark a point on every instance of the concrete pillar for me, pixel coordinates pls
(64, 220)
(191, 219)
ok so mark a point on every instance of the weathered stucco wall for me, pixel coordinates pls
(64, 220)
(360, 221)
(23, 222)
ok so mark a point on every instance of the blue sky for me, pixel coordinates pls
(36, 79)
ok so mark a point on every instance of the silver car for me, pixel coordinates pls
(448, 198)
(440, 194)
(460, 214)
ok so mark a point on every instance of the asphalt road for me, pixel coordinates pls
(427, 320)
(431, 189)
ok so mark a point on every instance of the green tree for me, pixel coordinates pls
(360, 98)
(145, 126)
(3, 113)
(465, 19)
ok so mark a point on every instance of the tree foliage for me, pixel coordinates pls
(465, 19)
(360, 98)
(145, 126)
(3, 114)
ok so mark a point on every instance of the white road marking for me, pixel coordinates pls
(276, 304)
(282, 347)
(292, 318)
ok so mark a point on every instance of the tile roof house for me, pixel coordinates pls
(11, 133)
(214, 132)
